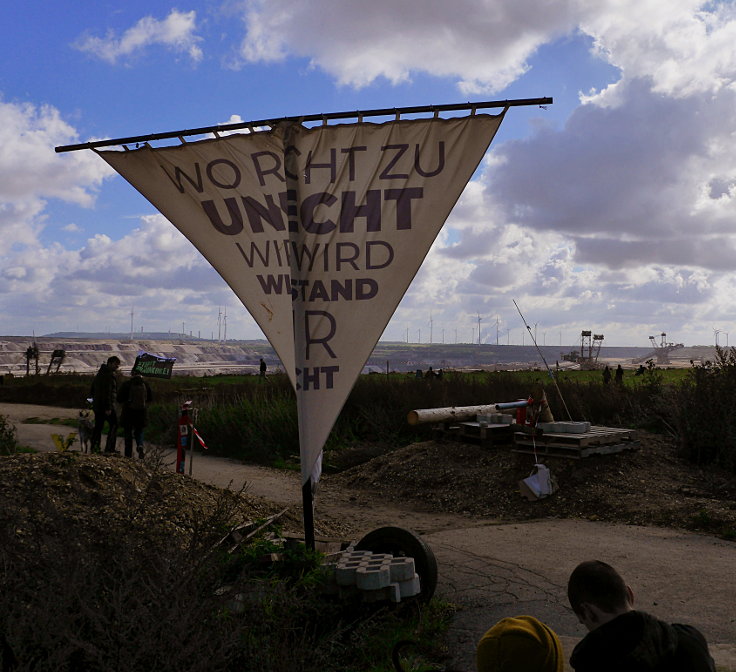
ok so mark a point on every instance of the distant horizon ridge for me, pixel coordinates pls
(167, 336)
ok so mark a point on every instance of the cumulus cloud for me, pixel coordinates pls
(682, 48)
(48, 287)
(176, 32)
(484, 46)
(624, 215)
(31, 172)
(641, 175)
(153, 270)
(648, 181)
(621, 215)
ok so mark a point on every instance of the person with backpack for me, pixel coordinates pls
(134, 396)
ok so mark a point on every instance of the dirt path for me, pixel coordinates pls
(490, 570)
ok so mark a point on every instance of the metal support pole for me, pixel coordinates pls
(308, 511)
(183, 437)
(357, 114)
(191, 449)
(190, 438)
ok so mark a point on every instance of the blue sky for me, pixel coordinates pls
(612, 210)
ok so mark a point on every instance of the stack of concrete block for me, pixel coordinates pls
(561, 427)
(495, 419)
(374, 577)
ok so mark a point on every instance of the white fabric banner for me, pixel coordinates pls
(319, 231)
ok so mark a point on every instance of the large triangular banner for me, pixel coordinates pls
(319, 231)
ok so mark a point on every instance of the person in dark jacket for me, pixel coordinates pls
(104, 393)
(622, 638)
(619, 375)
(606, 375)
(134, 397)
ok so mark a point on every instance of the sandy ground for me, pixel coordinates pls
(491, 570)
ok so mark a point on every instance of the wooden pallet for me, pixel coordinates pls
(596, 441)
(498, 434)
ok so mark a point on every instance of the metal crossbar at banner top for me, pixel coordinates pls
(356, 114)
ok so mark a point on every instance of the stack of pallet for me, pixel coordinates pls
(575, 440)
(493, 433)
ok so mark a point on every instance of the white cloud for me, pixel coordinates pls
(45, 285)
(642, 176)
(684, 48)
(153, 269)
(651, 180)
(623, 215)
(31, 172)
(176, 32)
(483, 45)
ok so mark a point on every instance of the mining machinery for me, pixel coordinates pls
(661, 352)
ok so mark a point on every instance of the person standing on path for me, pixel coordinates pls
(262, 368)
(104, 393)
(619, 375)
(622, 638)
(606, 375)
(134, 396)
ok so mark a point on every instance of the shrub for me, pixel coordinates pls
(130, 593)
(252, 420)
(703, 412)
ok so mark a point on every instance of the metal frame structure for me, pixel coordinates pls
(324, 118)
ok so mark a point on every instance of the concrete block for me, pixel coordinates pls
(387, 593)
(345, 572)
(410, 587)
(372, 577)
(402, 569)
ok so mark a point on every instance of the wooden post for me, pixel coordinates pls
(449, 414)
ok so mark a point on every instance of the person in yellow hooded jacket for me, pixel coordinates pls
(520, 644)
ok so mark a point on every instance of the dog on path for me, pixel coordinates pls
(84, 427)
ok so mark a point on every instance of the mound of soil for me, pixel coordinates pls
(101, 495)
(650, 485)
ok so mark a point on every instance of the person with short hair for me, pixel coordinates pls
(519, 644)
(104, 393)
(134, 397)
(622, 638)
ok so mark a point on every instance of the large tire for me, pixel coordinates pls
(400, 543)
